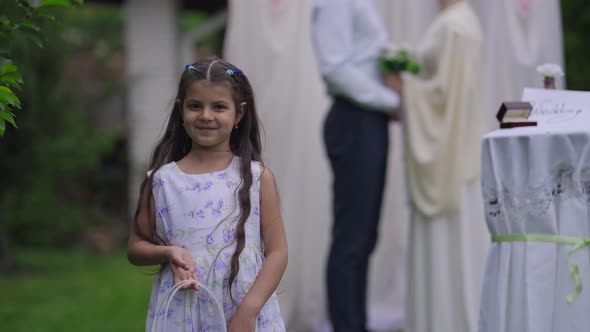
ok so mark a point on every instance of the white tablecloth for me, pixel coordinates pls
(536, 181)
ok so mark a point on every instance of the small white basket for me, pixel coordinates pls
(173, 291)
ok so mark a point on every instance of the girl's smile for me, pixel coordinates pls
(206, 130)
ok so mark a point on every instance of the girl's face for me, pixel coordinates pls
(209, 114)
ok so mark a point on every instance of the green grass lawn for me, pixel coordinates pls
(74, 291)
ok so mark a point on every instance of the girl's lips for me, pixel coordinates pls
(206, 130)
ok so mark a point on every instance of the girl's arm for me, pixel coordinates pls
(142, 252)
(275, 245)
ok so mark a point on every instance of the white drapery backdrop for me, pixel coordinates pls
(519, 35)
(270, 40)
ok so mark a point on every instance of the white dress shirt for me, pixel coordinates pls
(348, 36)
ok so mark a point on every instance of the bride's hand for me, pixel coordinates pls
(394, 82)
(396, 115)
(391, 46)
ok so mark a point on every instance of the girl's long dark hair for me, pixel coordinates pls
(175, 144)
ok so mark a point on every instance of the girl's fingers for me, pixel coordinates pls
(181, 265)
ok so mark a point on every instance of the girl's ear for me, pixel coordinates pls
(241, 112)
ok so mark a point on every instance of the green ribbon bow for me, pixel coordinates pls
(576, 243)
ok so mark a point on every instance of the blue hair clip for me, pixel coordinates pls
(189, 67)
(234, 71)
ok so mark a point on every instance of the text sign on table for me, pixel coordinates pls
(558, 107)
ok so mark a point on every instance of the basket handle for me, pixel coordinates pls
(174, 290)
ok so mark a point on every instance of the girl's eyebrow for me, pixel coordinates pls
(215, 101)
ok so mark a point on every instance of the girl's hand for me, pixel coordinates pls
(242, 323)
(183, 267)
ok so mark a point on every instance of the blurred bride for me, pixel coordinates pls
(443, 126)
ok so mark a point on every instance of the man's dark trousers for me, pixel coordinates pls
(357, 144)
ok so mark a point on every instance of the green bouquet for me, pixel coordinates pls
(398, 61)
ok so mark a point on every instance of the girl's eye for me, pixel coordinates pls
(193, 106)
(219, 107)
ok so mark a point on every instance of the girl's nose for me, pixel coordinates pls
(206, 114)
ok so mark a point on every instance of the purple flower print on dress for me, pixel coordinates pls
(262, 321)
(216, 212)
(189, 321)
(230, 184)
(222, 176)
(228, 308)
(201, 272)
(210, 239)
(229, 235)
(198, 186)
(239, 294)
(160, 211)
(198, 214)
(165, 286)
(157, 182)
(208, 185)
(219, 264)
(177, 300)
(204, 298)
(208, 205)
(207, 327)
(169, 313)
(194, 187)
(256, 211)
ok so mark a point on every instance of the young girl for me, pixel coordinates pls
(209, 212)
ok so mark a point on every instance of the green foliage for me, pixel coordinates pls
(60, 175)
(20, 19)
(397, 62)
(576, 24)
(74, 291)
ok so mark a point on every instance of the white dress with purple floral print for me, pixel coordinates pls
(199, 212)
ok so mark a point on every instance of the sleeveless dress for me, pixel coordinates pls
(199, 212)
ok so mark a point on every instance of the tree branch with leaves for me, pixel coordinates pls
(20, 19)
